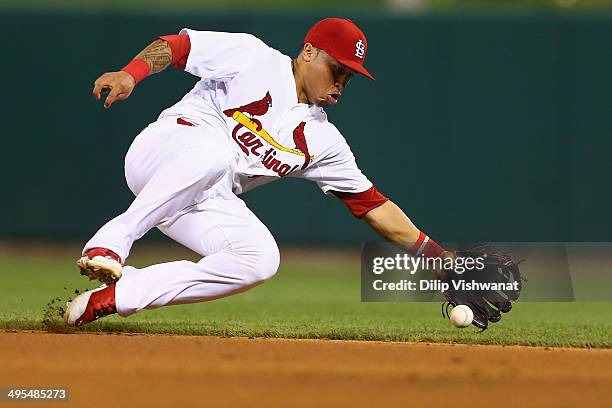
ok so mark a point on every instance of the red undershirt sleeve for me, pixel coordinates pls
(361, 203)
(180, 46)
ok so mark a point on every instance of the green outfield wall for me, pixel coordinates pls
(479, 127)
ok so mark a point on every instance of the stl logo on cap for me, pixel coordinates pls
(343, 40)
(359, 49)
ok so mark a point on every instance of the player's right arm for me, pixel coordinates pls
(205, 54)
(157, 56)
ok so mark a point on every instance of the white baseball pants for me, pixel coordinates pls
(182, 178)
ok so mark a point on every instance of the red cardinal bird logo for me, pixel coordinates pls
(300, 142)
(251, 142)
(257, 108)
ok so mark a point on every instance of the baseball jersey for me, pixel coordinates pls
(247, 91)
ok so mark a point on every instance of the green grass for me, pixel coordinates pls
(307, 299)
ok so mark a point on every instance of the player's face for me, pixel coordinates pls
(326, 79)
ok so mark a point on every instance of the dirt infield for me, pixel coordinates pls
(109, 370)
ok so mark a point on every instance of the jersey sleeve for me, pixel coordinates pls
(336, 170)
(219, 55)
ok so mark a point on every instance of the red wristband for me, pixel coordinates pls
(138, 69)
(426, 246)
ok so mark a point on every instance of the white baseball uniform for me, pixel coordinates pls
(248, 129)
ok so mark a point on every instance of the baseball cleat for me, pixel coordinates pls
(91, 305)
(101, 264)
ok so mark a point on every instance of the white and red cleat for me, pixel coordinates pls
(101, 264)
(91, 305)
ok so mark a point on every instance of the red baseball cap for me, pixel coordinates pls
(343, 40)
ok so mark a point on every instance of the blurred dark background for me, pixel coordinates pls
(488, 120)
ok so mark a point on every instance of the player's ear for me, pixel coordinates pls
(308, 52)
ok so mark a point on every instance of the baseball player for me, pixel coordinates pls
(255, 116)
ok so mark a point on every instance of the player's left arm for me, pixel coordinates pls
(393, 224)
(390, 222)
(339, 175)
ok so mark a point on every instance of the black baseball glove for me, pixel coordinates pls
(493, 287)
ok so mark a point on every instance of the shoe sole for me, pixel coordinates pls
(76, 308)
(105, 270)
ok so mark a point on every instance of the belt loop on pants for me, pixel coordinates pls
(182, 121)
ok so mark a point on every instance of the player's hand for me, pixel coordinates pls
(496, 268)
(119, 85)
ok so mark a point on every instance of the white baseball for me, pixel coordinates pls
(461, 316)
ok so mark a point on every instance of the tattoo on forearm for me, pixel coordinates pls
(157, 54)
